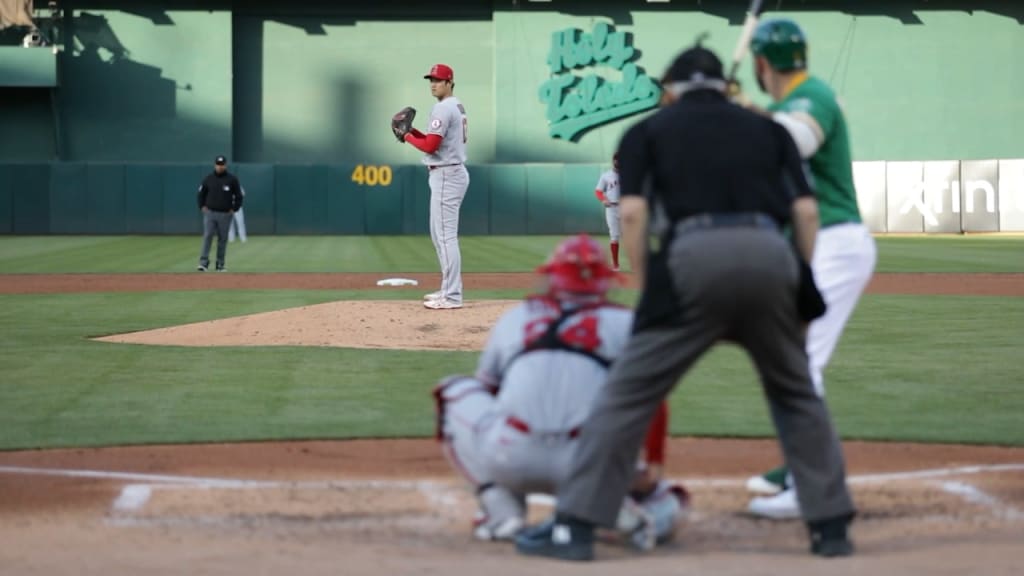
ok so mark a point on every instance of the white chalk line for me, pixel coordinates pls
(975, 495)
(442, 495)
(212, 482)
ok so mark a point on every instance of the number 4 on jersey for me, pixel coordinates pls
(581, 335)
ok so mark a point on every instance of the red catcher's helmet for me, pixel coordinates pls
(578, 265)
(441, 72)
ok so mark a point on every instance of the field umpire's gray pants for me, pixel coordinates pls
(215, 223)
(732, 283)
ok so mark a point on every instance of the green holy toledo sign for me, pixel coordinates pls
(577, 104)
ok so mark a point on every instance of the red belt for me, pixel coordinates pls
(523, 427)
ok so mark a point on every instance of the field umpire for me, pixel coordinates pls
(220, 196)
(729, 180)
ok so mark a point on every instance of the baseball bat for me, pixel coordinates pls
(743, 44)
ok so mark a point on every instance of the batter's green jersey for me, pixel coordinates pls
(831, 165)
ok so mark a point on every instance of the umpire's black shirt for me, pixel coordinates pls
(220, 192)
(703, 154)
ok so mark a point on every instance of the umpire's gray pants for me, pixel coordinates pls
(732, 283)
(215, 223)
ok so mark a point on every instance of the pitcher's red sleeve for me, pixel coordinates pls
(428, 144)
(654, 445)
(599, 194)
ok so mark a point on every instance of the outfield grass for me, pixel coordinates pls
(120, 254)
(909, 368)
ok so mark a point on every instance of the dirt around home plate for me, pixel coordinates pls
(393, 507)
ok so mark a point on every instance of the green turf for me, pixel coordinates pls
(931, 369)
(121, 254)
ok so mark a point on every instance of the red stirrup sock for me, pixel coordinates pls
(615, 254)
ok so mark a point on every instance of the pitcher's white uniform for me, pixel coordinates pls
(608, 184)
(449, 181)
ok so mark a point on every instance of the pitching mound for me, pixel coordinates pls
(391, 324)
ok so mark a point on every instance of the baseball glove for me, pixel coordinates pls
(401, 123)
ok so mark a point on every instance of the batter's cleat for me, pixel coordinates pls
(432, 295)
(782, 506)
(201, 268)
(829, 538)
(558, 539)
(770, 483)
(441, 304)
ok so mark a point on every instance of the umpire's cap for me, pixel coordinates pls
(694, 65)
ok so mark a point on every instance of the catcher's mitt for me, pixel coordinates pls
(401, 123)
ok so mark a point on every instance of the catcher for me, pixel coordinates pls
(511, 430)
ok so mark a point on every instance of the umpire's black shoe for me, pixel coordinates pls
(829, 538)
(559, 538)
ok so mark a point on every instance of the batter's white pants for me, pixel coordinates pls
(844, 260)
(448, 185)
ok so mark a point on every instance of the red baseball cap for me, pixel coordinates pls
(441, 72)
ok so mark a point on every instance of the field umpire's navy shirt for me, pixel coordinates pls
(705, 154)
(220, 192)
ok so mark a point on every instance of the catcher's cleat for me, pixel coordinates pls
(562, 540)
(502, 513)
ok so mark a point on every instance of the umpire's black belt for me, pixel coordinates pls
(708, 220)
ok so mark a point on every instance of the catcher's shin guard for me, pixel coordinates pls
(502, 513)
(653, 519)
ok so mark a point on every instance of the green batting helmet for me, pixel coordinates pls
(782, 43)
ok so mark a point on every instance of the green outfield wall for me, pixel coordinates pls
(108, 198)
(303, 91)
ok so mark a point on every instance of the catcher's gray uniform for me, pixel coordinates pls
(512, 429)
(449, 180)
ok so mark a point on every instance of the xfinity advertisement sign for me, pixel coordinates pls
(942, 196)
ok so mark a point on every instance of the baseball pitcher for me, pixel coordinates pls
(444, 148)
(512, 429)
(607, 191)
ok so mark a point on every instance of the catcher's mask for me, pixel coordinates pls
(578, 266)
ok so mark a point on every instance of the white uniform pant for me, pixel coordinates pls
(611, 216)
(844, 259)
(448, 185)
(488, 445)
(237, 227)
